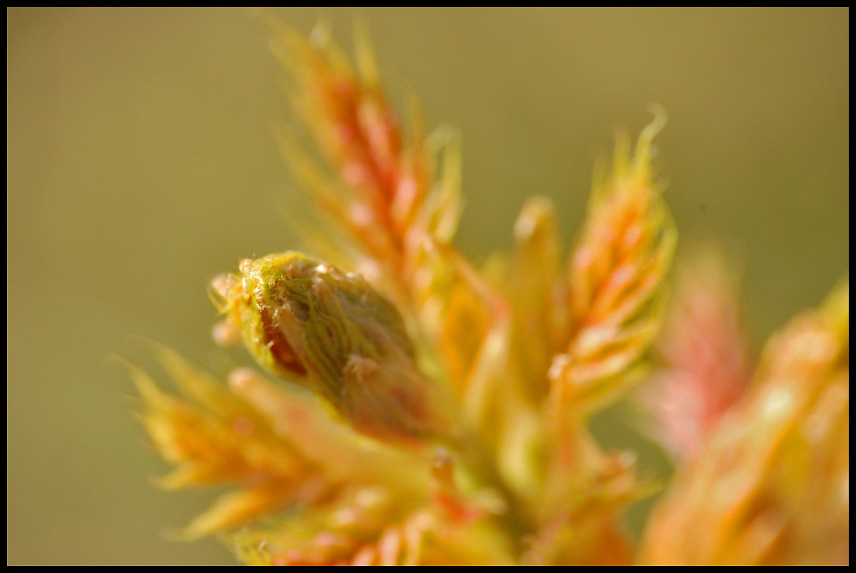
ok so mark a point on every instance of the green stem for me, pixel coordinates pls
(514, 520)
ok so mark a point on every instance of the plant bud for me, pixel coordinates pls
(330, 331)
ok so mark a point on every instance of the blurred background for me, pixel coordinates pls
(140, 163)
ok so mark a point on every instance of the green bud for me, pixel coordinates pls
(330, 331)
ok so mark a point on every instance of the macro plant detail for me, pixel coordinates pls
(413, 407)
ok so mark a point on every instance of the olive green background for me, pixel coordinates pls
(141, 163)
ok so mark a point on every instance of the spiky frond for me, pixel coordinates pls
(275, 447)
(615, 282)
(383, 192)
(705, 363)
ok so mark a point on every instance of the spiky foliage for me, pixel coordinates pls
(375, 187)
(704, 356)
(444, 409)
(772, 484)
